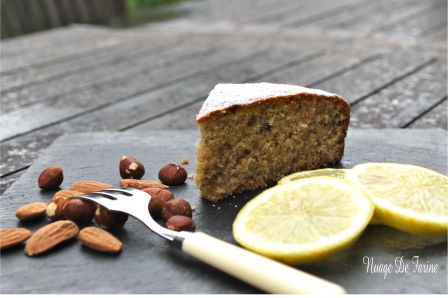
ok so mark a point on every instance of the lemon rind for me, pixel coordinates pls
(402, 219)
(303, 253)
(287, 179)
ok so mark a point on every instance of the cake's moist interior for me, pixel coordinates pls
(247, 148)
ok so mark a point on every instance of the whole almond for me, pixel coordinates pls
(87, 186)
(100, 240)
(10, 237)
(141, 184)
(50, 236)
(55, 209)
(31, 211)
(51, 177)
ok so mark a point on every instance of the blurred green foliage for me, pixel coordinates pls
(20, 17)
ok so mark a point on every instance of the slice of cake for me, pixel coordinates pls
(253, 134)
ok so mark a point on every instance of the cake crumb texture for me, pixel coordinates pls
(266, 135)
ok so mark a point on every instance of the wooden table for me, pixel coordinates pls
(386, 57)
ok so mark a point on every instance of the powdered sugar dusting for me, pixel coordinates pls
(224, 96)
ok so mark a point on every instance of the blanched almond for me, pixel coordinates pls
(10, 237)
(50, 236)
(86, 186)
(141, 184)
(100, 240)
(31, 211)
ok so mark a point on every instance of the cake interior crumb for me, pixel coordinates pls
(249, 148)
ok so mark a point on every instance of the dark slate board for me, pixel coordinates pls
(148, 264)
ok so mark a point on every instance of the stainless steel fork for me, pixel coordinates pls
(254, 269)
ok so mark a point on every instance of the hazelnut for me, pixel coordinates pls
(172, 174)
(79, 211)
(176, 207)
(158, 198)
(110, 219)
(180, 223)
(131, 168)
(51, 178)
(55, 209)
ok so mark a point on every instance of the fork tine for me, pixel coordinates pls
(100, 199)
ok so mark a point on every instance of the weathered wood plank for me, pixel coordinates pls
(275, 14)
(437, 36)
(311, 15)
(416, 26)
(330, 65)
(83, 42)
(397, 11)
(331, 20)
(400, 103)
(436, 117)
(244, 15)
(152, 265)
(235, 10)
(303, 74)
(138, 108)
(69, 105)
(38, 75)
(375, 76)
(391, 107)
(124, 69)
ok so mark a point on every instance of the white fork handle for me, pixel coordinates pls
(254, 269)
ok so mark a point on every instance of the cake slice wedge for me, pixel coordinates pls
(254, 134)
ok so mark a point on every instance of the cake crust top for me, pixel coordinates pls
(226, 96)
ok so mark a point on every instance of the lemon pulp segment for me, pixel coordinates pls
(409, 198)
(303, 221)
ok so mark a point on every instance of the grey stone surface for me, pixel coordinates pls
(148, 264)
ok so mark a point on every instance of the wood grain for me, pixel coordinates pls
(81, 78)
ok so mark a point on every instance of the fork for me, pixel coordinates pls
(256, 270)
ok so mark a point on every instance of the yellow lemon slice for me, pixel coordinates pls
(303, 221)
(328, 172)
(409, 198)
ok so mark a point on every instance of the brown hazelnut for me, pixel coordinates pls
(158, 198)
(172, 174)
(55, 209)
(180, 223)
(51, 178)
(79, 211)
(110, 219)
(131, 168)
(176, 207)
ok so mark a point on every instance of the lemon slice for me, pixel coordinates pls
(336, 173)
(328, 172)
(303, 221)
(409, 198)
